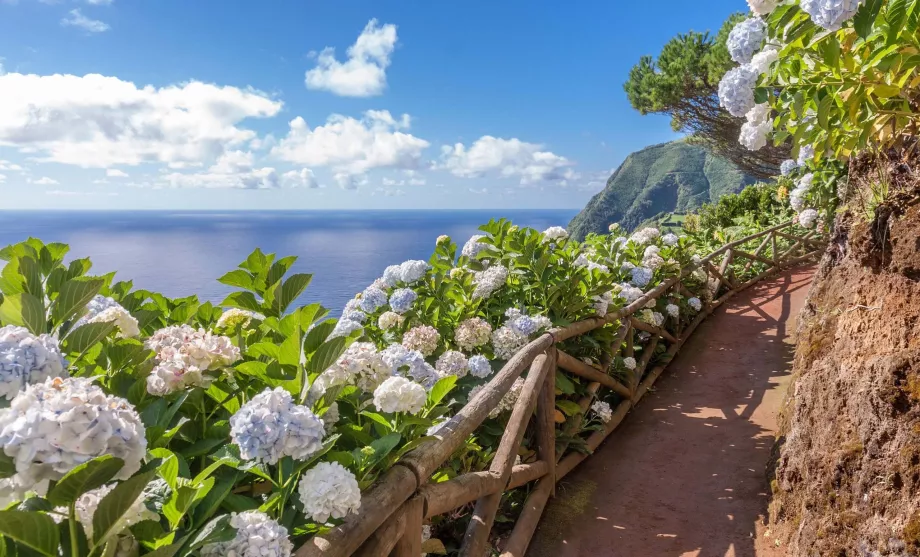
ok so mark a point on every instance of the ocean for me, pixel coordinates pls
(179, 253)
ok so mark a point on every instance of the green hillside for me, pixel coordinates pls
(671, 177)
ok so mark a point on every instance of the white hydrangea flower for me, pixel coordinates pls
(423, 338)
(736, 90)
(755, 131)
(603, 411)
(602, 302)
(641, 276)
(270, 427)
(806, 155)
(652, 260)
(19, 487)
(329, 490)
(234, 318)
(398, 394)
(106, 310)
(506, 404)
(629, 363)
(480, 366)
(372, 299)
(390, 278)
(472, 333)
(695, 303)
(670, 239)
(453, 363)
(651, 317)
(389, 320)
(696, 260)
(413, 270)
(830, 14)
(613, 227)
(257, 535)
(630, 293)
(645, 236)
(344, 327)
(361, 364)
(763, 7)
(808, 218)
(583, 261)
(746, 39)
(802, 187)
(87, 504)
(26, 359)
(474, 247)
(526, 324)
(489, 281)
(184, 354)
(673, 310)
(555, 233)
(52, 427)
(762, 61)
(506, 341)
(788, 167)
(442, 239)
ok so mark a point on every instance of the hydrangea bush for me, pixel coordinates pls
(139, 424)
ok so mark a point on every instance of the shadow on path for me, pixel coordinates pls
(685, 474)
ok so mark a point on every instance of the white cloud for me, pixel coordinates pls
(45, 181)
(7, 165)
(364, 73)
(115, 173)
(77, 19)
(100, 2)
(96, 121)
(233, 169)
(508, 158)
(350, 146)
(482, 191)
(389, 182)
(348, 181)
(2, 178)
(303, 178)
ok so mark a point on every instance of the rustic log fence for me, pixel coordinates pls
(395, 508)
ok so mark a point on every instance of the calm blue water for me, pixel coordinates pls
(183, 253)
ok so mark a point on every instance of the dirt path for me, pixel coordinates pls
(685, 474)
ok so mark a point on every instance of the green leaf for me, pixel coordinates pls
(167, 550)
(217, 530)
(896, 15)
(242, 300)
(383, 446)
(73, 297)
(568, 407)
(564, 384)
(85, 477)
(290, 290)
(114, 505)
(25, 310)
(289, 353)
(238, 278)
(269, 349)
(326, 355)
(379, 419)
(84, 336)
(317, 335)
(866, 16)
(31, 274)
(7, 465)
(441, 389)
(36, 531)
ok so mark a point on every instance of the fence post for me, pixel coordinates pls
(410, 544)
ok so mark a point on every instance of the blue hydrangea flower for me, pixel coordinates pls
(401, 300)
(736, 90)
(480, 366)
(830, 14)
(746, 39)
(392, 275)
(641, 276)
(26, 359)
(411, 271)
(788, 167)
(372, 299)
(524, 324)
(271, 426)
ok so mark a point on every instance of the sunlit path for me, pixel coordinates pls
(685, 475)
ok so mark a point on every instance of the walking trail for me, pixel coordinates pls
(686, 474)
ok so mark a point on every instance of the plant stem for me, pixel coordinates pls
(72, 523)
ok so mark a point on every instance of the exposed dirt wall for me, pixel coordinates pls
(848, 473)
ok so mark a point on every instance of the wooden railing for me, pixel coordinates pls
(395, 508)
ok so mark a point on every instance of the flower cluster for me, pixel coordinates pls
(488, 281)
(745, 39)
(758, 126)
(389, 320)
(257, 535)
(762, 7)
(401, 300)
(372, 298)
(407, 272)
(788, 167)
(102, 309)
(87, 504)
(603, 411)
(554, 234)
(474, 246)
(271, 426)
(184, 355)
(673, 310)
(453, 363)
(736, 90)
(472, 333)
(423, 338)
(402, 360)
(629, 363)
(645, 236)
(235, 319)
(695, 303)
(641, 276)
(808, 218)
(802, 187)
(329, 490)
(26, 359)
(480, 366)
(52, 427)
(830, 14)
(360, 365)
(398, 394)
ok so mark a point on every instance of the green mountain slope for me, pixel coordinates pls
(670, 177)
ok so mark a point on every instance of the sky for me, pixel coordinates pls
(333, 104)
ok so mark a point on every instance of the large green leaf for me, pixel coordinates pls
(32, 529)
(238, 278)
(866, 16)
(290, 290)
(441, 389)
(7, 465)
(32, 278)
(24, 310)
(217, 530)
(317, 335)
(242, 300)
(326, 355)
(73, 297)
(114, 505)
(84, 336)
(85, 477)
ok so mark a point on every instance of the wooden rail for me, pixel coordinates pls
(393, 510)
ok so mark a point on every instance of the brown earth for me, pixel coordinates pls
(686, 473)
(848, 479)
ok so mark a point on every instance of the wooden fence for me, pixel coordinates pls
(395, 508)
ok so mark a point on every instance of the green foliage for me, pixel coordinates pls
(663, 178)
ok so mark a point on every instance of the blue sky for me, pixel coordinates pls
(237, 104)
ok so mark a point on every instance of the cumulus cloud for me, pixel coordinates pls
(45, 181)
(7, 165)
(414, 181)
(96, 121)
(76, 19)
(234, 169)
(115, 173)
(364, 73)
(303, 178)
(348, 181)
(350, 146)
(508, 158)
